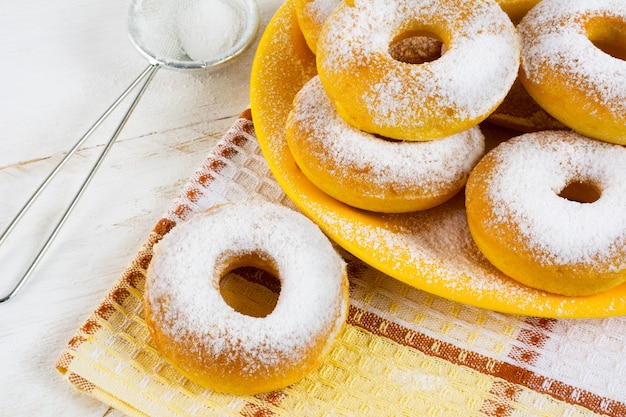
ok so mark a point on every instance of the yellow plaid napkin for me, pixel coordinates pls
(404, 352)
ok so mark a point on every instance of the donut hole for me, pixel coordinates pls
(416, 47)
(251, 286)
(581, 192)
(608, 35)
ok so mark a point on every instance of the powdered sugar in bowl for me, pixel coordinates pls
(192, 34)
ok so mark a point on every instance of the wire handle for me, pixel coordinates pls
(146, 75)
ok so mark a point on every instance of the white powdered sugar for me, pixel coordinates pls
(470, 79)
(183, 285)
(432, 166)
(319, 10)
(555, 39)
(530, 173)
(207, 29)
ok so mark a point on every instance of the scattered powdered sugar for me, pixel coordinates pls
(472, 76)
(183, 284)
(433, 249)
(319, 10)
(531, 171)
(554, 38)
(434, 167)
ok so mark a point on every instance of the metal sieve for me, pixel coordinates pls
(166, 32)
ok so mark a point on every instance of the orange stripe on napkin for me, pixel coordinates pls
(511, 375)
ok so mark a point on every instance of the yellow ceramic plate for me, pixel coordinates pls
(430, 250)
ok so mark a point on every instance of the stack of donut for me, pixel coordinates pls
(395, 132)
(383, 133)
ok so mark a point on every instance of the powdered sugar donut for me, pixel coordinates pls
(573, 64)
(312, 15)
(372, 173)
(549, 210)
(378, 94)
(219, 347)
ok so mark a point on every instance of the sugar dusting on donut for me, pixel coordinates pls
(563, 45)
(526, 187)
(319, 10)
(441, 161)
(468, 99)
(184, 298)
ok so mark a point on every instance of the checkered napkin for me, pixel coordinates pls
(404, 352)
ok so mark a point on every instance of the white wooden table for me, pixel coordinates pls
(63, 63)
